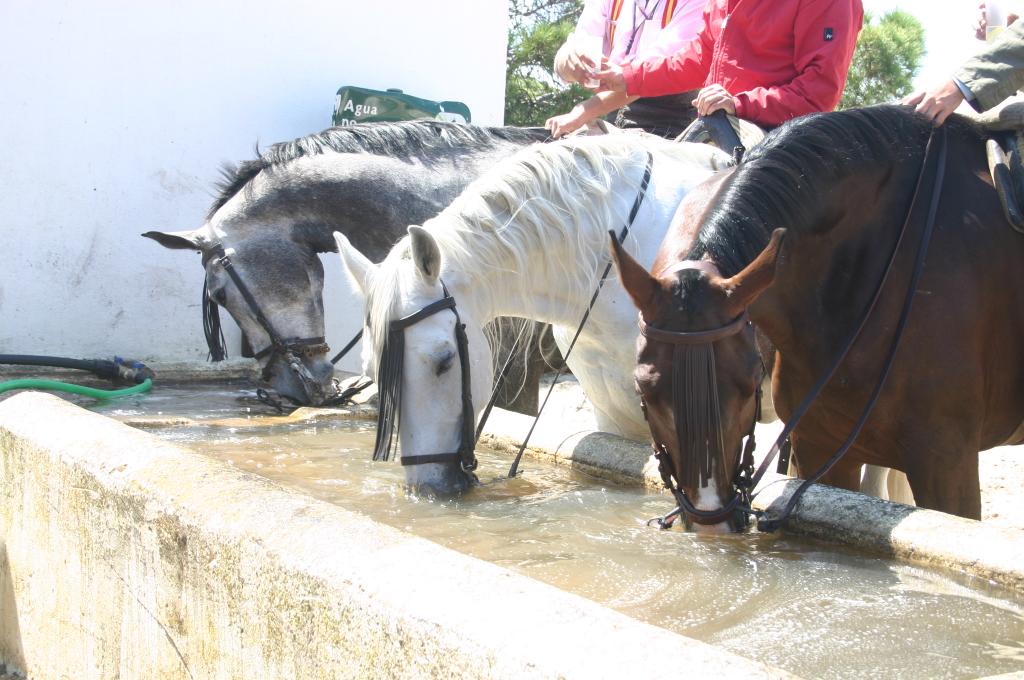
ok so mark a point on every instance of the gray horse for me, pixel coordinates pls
(275, 214)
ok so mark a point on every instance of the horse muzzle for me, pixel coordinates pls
(303, 377)
(441, 480)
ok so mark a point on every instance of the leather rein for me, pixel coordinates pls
(745, 480)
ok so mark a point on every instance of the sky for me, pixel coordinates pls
(949, 32)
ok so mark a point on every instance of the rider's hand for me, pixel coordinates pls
(559, 126)
(981, 25)
(609, 78)
(936, 103)
(714, 98)
(573, 65)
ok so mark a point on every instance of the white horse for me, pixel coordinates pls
(527, 239)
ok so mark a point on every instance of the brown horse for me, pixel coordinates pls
(798, 236)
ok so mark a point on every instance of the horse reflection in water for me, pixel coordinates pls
(527, 239)
(799, 236)
(275, 214)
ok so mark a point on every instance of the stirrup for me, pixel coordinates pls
(1004, 171)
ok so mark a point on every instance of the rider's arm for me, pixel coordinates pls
(998, 71)
(685, 70)
(587, 39)
(600, 104)
(825, 36)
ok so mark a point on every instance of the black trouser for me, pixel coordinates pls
(665, 116)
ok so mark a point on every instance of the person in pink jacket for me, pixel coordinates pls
(622, 31)
(765, 61)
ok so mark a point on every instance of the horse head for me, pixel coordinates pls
(271, 283)
(698, 374)
(429, 356)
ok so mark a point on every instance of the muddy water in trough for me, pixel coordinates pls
(814, 609)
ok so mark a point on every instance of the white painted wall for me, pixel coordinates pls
(115, 116)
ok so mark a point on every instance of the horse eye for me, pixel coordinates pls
(445, 363)
(220, 297)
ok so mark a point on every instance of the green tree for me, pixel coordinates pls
(888, 55)
(537, 28)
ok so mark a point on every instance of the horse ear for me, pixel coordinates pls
(178, 240)
(745, 287)
(641, 286)
(425, 253)
(360, 270)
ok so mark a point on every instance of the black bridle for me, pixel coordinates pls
(389, 374)
(289, 350)
(690, 347)
(744, 482)
(389, 370)
(389, 381)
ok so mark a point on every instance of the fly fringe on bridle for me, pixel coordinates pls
(389, 394)
(211, 327)
(697, 415)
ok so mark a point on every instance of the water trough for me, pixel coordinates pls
(112, 541)
(124, 556)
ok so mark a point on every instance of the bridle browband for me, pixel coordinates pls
(290, 350)
(390, 379)
(693, 337)
(736, 509)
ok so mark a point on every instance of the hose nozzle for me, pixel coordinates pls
(131, 371)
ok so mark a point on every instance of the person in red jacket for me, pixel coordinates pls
(765, 61)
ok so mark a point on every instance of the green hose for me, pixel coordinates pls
(58, 386)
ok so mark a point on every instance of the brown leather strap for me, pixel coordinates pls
(431, 458)
(773, 523)
(693, 337)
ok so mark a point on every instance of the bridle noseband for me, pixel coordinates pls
(290, 350)
(737, 509)
(391, 364)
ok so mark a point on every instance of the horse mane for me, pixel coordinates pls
(545, 193)
(405, 139)
(786, 180)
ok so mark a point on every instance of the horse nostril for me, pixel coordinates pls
(324, 371)
(445, 363)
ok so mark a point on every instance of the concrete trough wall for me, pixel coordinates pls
(125, 557)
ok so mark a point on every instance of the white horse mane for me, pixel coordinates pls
(545, 193)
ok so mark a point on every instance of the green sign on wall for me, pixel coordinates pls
(363, 105)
